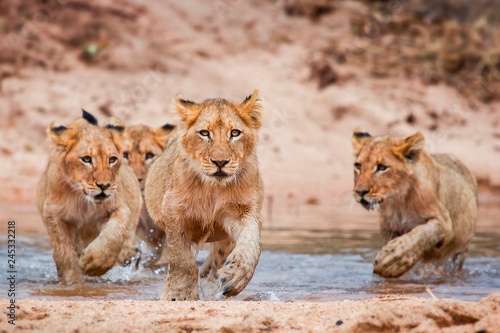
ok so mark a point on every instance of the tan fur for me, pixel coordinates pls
(194, 200)
(141, 145)
(88, 233)
(427, 203)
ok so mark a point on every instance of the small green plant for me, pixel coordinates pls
(91, 50)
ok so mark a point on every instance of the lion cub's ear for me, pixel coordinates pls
(188, 110)
(359, 139)
(62, 135)
(411, 147)
(162, 134)
(89, 117)
(117, 129)
(251, 110)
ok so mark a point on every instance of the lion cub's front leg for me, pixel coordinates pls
(182, 280)
(402, 253)
(64, 253)
(240, 264)
(101, 254)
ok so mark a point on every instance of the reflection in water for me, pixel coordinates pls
(315, 264)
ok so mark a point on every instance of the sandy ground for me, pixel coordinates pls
(381, 314)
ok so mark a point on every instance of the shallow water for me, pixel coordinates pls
(313, 262)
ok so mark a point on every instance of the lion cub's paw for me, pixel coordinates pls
(72, 276)
(397, 257)
(235, 274)
(126, 256)
(187, 294)
(95, 260)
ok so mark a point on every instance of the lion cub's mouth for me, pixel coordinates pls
(220, 174)
(101, 196)
(370, 205)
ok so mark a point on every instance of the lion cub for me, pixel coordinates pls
(206, 187)
(89, 201)
(427, 203)
(141, 144)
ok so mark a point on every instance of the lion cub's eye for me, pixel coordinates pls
(357, 166)
(125, 155)
(149, 155)
(113, 159)
(204, 133)
(235, 133)
(86, 159)
(381, 167)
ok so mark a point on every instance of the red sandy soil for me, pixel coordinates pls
(380, 314)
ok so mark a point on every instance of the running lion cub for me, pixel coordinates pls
(206, 187)
(427, 203)
(89, 201)
(141, 144)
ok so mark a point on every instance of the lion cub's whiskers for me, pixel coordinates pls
(353, 202)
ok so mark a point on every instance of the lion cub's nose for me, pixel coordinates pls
(103, 186)
(362, 192)
(220, 164)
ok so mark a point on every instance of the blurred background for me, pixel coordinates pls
(324, 67)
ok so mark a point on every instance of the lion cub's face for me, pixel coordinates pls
(91, 157)
(218, 135)
(142, 144)
(383, 166)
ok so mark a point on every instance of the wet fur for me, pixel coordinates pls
(88, 235)
(193, 206)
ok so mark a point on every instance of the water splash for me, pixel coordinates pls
(343, 270)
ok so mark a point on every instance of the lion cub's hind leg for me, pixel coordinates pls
(458, 259)
(130, 247)
(209, 270)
